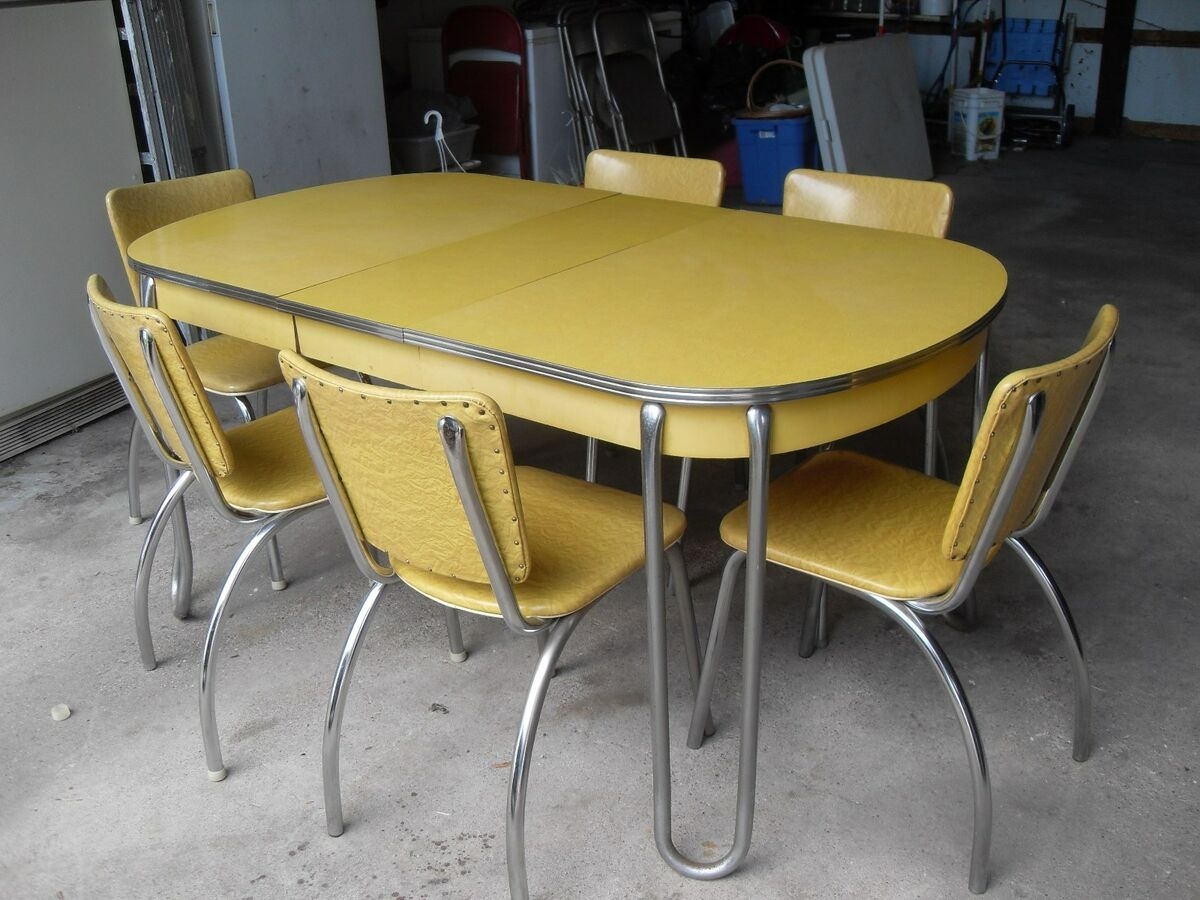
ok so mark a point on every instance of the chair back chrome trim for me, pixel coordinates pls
(183, 428)
(361, 551)
(138, 403)
(454, 444)
(981, 550)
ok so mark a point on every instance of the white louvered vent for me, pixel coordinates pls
(57, 416)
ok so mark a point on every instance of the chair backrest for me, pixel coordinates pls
(139, 209)
(624, 28)
(391, 478)
(700, 181)
(894, 204)
(1070, 388)
(125, 333)
(632, 85)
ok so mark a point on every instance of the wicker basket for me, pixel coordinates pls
(765, 112)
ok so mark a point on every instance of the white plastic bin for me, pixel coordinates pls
(419, 154)
(975, 123)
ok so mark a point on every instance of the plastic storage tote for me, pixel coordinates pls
(769, 149)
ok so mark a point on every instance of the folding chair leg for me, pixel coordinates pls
(141, 578)
(518, 785)
(980, 780)
(1081, 743)
(208, 672)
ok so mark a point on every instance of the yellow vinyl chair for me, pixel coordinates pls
(227, 366)
(426, 493)
(891, 204)
(257, 473)
(912, 545)
(872, 201)
(678, 178)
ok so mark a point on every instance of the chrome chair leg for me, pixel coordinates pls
(208, 672)
(275, 566)
(181, 563)
(330, 746)
(701, 711)
(589, 472)
(274, 560)
(931, 437)
(133, 483)
(980, 780)
(245, 407)
(1081, 743)
(458, 652)
(687, 622)
(518, 785)
(810, 630)
(685, 480)
(141, 578)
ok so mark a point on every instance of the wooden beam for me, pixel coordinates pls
(1114, 66)
(1144, 37)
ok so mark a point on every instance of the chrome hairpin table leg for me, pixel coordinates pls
(759, 424)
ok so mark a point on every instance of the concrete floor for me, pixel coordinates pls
(863, 789)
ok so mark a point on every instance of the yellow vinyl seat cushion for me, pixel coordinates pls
(892, 547)
(232, 367)
(274, 472)
(585, 539)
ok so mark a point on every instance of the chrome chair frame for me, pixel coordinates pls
(181, 475)
(570, 35)
(651, 47)
(145, 297)
(907, 614)
(551, 635)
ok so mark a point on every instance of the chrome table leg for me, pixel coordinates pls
(759, 424)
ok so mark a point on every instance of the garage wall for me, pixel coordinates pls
(1162, 80)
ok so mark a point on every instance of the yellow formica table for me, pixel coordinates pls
(672, 328)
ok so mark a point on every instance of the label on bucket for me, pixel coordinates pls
(976, 120)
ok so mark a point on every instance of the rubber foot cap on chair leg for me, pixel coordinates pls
(458, 657)
(278, 585)
(136, 520)
(219, 775)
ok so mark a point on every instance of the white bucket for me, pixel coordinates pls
(976, 120)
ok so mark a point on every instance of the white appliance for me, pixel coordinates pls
(551, 136)
(300, 89)
(67, 137)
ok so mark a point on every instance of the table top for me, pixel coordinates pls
(644, 298)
